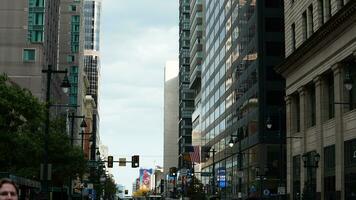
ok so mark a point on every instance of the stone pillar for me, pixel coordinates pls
(302, 101)
(319, 96)
(339, 135)
(289, 120)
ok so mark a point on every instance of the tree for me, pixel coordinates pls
(22, 137)
(196, 189)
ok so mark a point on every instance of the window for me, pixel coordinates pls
(297, 112)
(274, 49)
(273, 3)
(330, 90)
(304, 25)
(311, 105)
(321, 11)
(310, 20)
(274, 24)
(293, 36)
(70, 58)
(296, 177)
(29, 55)
(72, 8)
(350, 72)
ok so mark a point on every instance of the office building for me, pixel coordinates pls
(29, 44)
(196, 58)
(92, 11)
(240, 92)
(320, 77)
(170, 129)
(186, 95)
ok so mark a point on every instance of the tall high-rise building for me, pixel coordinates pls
(92, 13)
(240, 92)
(71, 47)
(320, 72)
(186, 95)
(29, 43)
(196, 59)
(92, 10)
(170, 149)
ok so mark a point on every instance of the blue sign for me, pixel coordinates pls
(221, 178)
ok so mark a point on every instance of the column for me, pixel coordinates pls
(289, 120)
(302, 101)
(319, 97)
(339, 136)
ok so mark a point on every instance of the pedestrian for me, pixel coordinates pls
(8, 189)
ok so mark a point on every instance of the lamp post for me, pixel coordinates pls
(261, 176)
(348, 84)
(206, 151)
(311, 161)
(65, 85)
(239, 158)
(83, 124)
(281, 185)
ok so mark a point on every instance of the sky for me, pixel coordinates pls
(137, 38)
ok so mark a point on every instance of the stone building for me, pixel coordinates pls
(320, 70)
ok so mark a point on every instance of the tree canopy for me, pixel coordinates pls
(22, 137)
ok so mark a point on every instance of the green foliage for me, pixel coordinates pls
(196, 189)
(22, 137)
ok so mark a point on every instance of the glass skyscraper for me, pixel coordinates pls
(243, 41)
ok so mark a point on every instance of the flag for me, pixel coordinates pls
(195, 154)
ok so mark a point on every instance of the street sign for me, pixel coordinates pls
(205, 173)
(122, 161)
(184, 172)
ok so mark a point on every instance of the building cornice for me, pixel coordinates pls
(323, 36)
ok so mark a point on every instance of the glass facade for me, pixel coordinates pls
(73, 79)
(243, 42)
(75, 26)
(186, 95)
(92, 10)
(36, 15)
(92, 24)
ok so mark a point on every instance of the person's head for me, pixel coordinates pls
(8, 189)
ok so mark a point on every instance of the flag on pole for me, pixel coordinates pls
(195, 154)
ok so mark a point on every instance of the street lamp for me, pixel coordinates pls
(239, 157)
(348, 83)
(82, 138)
(311, 161)
(206, 151)
(261, 176)
(83, 124)
(65, 85)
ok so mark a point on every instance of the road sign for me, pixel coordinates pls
(122, 161)
(184, 172)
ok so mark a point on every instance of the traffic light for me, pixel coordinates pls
(173, 171)
(135, 161)
(110, 161)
